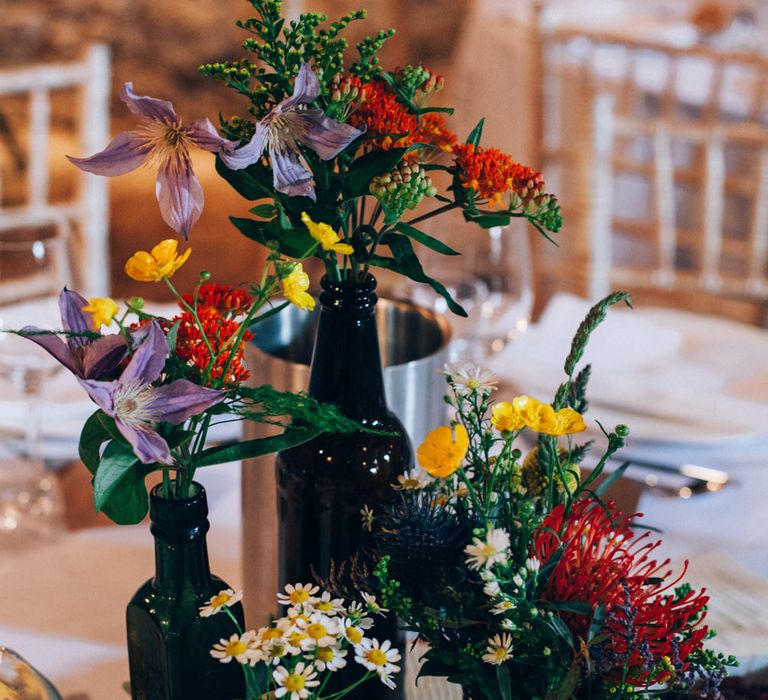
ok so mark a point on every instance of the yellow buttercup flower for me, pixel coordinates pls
(161, 262)
(542, 418)
(326, 236)
(295, 286)
(504, 416)
(103, 311)
(441, 454)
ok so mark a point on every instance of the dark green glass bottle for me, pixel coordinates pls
(324, 484)
(168, 642)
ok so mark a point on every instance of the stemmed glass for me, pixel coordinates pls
(33, 269)
(492, 280)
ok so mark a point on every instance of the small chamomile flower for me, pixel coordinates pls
(503, 606)
(413, 480)
(226, 598)
(329, 606)
(372, 605)
(295, 684)
(379, 658)
(494, 550)
(367, 517)
(319, 631)
(237, 647)
(492, 589)
(298, 594)
(329, 658)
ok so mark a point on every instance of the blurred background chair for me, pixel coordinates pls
(48, 110)
(660, 153)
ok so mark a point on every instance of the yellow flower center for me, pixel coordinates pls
(324, 606)
(377, 657)
(295, 638)
(317, 631)
(271, 633)
(168, 142)
(500, 653)
(299, 597)
(354, 635)
(235, 648)
(488, 550)
(325, 654)
(219, 600)
(411, 483)
(294, 682)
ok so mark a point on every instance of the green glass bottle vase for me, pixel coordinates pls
(327, 484)
(168, 642)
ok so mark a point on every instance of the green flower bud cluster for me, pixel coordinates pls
(411, 78)
(402, 188)
(536, 204)
(368, 65)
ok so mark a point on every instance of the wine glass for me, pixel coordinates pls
(33, 269)
(492, 280)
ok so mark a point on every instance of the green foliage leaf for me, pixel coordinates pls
(505, 681)
(292, 242)
(611, 479)
(405, 262)
(118, 487)
(488, 220)
(292, 437)
(264, 211)
(475, 135)
(253, 182)
(597, 622)
(561, 629)
(93, 435)
(567, 688)
(425, 239)
(573, 606)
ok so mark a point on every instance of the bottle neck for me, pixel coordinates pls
(346, 363)
(181, 552)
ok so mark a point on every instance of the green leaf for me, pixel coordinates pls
(264, 211)
(561, 629)
(292, 242)
(292, 437)
(611, 479)
(597, 622)
(92, 437)
(505, 682)
(574, 606)
(253, 182)
(445, 110)
(405, 262)
(425, 239)
(118, 487)
(567, 688)
(474, 136)
(488, 220)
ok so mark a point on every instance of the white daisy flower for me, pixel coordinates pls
(372, 605)
(517, 579)
(507, 624)
(297, 682)
(329, 658)
(298, 594)
(379, 658)
(237, 647)
(469, 379)
(367, 517)
(494, 550)
(353, 632)
(503, 606)
(273, 651)
(319, 631)
(413, 480)
(499, 650)
(329, 606)
(227, 598)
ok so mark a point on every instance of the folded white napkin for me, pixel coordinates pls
(671, 375)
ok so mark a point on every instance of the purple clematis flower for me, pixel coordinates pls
(163, 139)
(284, 129)
(137, 406)
(85, 357)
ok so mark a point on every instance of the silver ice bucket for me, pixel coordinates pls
(414, 345)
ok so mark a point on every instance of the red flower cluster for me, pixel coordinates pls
(218, 307)
(650, 630)
(491, 173)
(388, 122)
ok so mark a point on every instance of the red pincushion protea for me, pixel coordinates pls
(651, 631)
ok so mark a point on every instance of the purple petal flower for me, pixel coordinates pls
(137, 406)
(164, 139)
(287, 127)
(85, 357)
